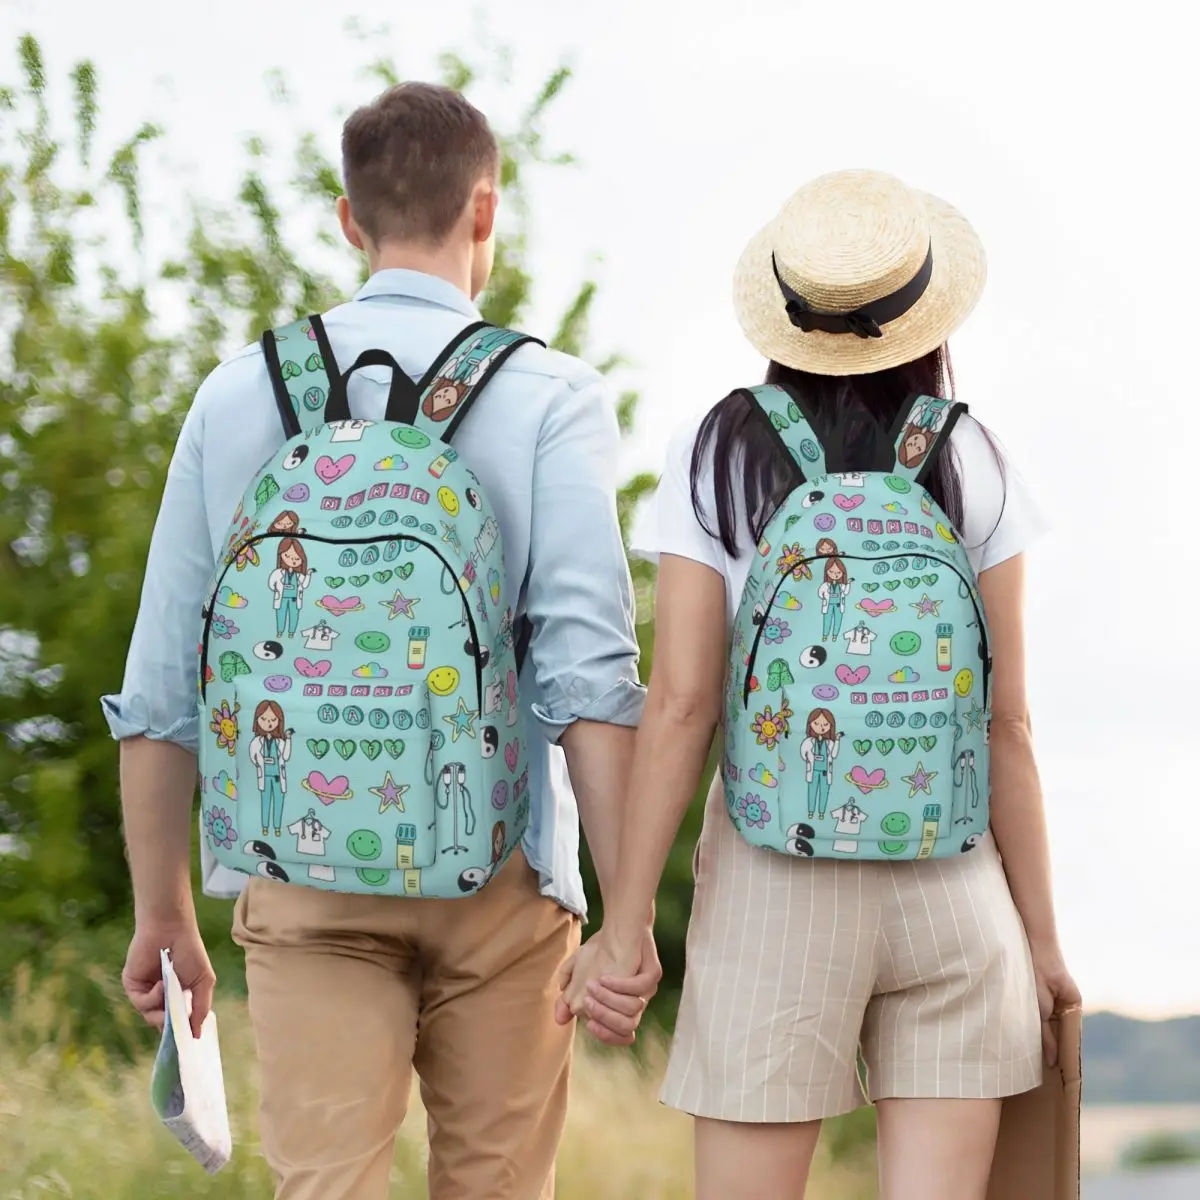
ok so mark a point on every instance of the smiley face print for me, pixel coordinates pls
(442, 680)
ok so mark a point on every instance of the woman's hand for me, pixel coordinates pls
(1056, 992)
(609, 986)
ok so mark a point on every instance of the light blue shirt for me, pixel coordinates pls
(544, 441)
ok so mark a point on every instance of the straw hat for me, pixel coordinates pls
(858, 272)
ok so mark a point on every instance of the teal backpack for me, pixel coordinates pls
(359, 656)
(857, 701)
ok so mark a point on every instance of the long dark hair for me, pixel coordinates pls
(854, 415)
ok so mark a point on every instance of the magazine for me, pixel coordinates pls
(187, 1088)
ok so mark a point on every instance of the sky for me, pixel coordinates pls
(1063, 135)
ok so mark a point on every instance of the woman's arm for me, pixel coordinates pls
(1018, 817)
(683, 705)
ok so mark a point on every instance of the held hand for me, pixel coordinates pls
(1056, 992)
(609, 987)
(142, 977)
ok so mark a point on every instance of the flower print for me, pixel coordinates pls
(244, 530)
(775, 629)
(224, 725)
(219, 825)
(792, 560)
(247, 556)
(753, 811)
(770, 726)
(223, 626)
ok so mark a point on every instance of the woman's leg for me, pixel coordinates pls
(814, 788)
(836, 623)
(265, 794)
(737, 1160)
(822, 782)
(827, 621)
(953, 1027)
(277, 804)
(936, 1149)
(280, 618)
(293, 617)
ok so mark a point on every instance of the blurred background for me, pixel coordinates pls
(167, 177)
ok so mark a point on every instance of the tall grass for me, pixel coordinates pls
(77, 1123)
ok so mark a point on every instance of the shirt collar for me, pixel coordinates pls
(416, 285)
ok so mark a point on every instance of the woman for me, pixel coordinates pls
(935, 970)
(833, 593)
(288, 582)
(819, 748)
(270, 748)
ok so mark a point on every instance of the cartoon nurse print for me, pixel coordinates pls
(833, 593)
(818, 750)
(270, 749)
(922, 429)
(460, 373)
(288, 522)
(288, 582)
(930, 415)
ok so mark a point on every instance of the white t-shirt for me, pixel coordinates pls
(1000, 517)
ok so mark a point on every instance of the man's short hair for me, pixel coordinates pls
(410, 159)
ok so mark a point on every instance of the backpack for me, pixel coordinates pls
(857, 705)
(358, 678)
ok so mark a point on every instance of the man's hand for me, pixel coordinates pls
(142, 977)
(609, 987)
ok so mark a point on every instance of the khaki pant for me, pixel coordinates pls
(349, 993)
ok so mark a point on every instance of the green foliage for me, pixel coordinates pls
(93, 386)
(1162, 1149)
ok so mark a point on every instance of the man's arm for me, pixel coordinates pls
(156, 718)
(579, 599)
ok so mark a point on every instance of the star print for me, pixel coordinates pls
(450, 537)
(974, 716)
(390, 793)
(462, 720)
(400, 606)
(919, 780)
(926, 607)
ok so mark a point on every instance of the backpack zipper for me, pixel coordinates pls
(785, 575)
(308, 537)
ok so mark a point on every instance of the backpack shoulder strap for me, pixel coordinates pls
(460, 373)
(304, 374)
(786, 415)
(921, 430)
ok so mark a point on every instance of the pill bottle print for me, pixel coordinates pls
(406, 838)
(929, 829)
(418, 637)
(944, 633)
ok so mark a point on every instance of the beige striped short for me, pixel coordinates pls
(794, 965)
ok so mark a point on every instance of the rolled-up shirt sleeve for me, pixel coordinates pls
(579, 596)
(159, 695)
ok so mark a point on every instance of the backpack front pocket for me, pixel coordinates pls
(881, 789)
(333, 784)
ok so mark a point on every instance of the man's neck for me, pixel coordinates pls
(453, 264)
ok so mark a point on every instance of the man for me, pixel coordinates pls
(349, 992)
